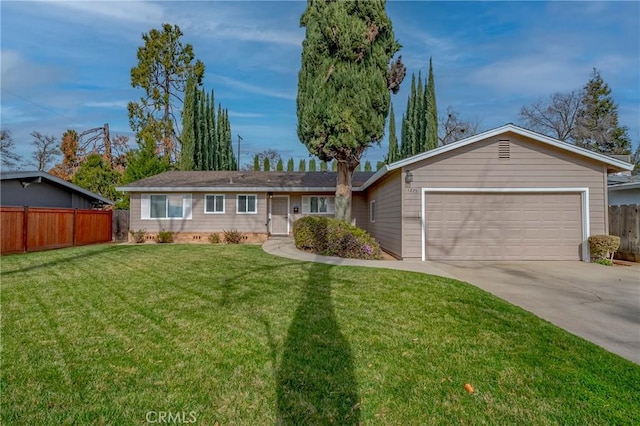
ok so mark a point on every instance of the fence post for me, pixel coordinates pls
(25, 230)
(75, 226)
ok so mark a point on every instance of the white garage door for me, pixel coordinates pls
(503, 226)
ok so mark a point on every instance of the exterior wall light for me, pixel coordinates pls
(408, 177)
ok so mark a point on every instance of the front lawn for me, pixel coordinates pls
(208, 333)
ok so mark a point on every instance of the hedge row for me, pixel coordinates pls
(333, 237)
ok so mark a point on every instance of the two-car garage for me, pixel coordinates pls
(503, 224)
(505, 194)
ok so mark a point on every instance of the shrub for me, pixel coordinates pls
(164, 237)
(333, 237)
(232, 236)
(138, 236)
(215, 239)
(603, 246)
(605, 262)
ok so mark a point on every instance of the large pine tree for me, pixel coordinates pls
(343, 84)
(597, 126)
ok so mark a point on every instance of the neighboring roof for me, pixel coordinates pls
(613, 164)
(202, 181)
(624, 186)
(617, 179)
(34, 175)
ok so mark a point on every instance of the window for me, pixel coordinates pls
(318, 205)
(214, 204)
(162, 206)
(247, 204)
(372, 211)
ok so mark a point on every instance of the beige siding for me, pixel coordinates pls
(360, 210)
(201, 222)
(531, 164)
(387, 228)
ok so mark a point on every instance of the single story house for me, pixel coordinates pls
(505, 194)
(41, 189)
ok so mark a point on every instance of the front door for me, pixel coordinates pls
(280, 215)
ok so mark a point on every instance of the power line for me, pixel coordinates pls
(35, 103)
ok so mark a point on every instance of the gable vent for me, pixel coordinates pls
(504, 150)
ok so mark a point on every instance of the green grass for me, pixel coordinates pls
(106, 334)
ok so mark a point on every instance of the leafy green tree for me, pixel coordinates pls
(280, 165)
(267, 164)
(312, 165)
(144, 162)
(302, 166)
(393, 154)
(323, 166)
(344, 83)
(290, 165)
(367, 166)
(597, 126)
(334, 166)
(256, 163)
(164, 65)
(96, 175)
(379, 165)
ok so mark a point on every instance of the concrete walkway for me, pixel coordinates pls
(285, 247)
(597, 303)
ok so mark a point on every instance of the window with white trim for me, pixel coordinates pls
(319, 204)
(372, 211)
(246, 204)
(165, 206)
(214, 203)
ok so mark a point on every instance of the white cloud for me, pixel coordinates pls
(122, 11)
(238, 114)
(107, 104)
(258, 90)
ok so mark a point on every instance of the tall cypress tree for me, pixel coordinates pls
(280, 165)
(393, 154)
(302, 166)
(420, 121)
(290, 165)
(267, 164)
(312, 165)
(344, 82)
(256, 163)
(431, 112)
(187, 151)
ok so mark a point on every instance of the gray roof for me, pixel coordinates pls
(242, 181)
(33, 175)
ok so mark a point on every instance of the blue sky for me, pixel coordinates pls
(67, 64)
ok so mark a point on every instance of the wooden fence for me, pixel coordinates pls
(624, 221)
(120, 225)
(33, 228)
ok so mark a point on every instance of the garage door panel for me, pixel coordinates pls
(503, 226)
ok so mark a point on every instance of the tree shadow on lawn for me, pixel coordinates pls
(316, 383)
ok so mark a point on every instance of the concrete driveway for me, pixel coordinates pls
(598, 303)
